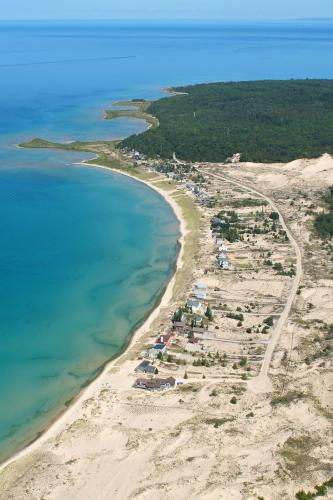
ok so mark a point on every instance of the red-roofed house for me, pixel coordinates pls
(165, 339)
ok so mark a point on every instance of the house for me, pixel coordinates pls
(201, 286)
(136, 155)
(224, 263)
(156, 350)
(223, 248)
(179, 326)
(155, 384)
(165, 339)
(195, 306)
(146, 367)
(219, 242)
(221, 256)
(191, 187)
(200, 295)
(171, 175)
(202, 195)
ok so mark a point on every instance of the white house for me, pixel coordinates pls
(195, 306)
(154, 351)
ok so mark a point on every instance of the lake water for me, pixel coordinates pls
(84, 253)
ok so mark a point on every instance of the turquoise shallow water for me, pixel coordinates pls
(84, 253)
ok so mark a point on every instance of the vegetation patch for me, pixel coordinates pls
(264, 121)
(286, 399)
(217, 422)
(324, 222)
(321, 491)
(296, 453)
(188, 388)
(246, 202)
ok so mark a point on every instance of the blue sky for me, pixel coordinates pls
(163, 9)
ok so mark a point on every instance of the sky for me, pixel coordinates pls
(164, 9)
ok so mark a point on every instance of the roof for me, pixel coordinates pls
(201, 286)
(158, 347)
(145, 366)
(200, 295)
(179, 324)
(164, 339)
(193, 303)
(155, 383)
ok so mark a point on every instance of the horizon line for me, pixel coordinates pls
(165, 20)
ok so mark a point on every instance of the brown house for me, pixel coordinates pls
(155, 384)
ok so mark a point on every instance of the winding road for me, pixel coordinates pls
(262, 382)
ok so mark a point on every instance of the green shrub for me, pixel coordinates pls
(274, 216)
(269, 321)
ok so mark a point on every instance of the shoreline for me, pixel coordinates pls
(64, 417)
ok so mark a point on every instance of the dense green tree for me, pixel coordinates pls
(274, 216)
(209, 314)
(265, 121)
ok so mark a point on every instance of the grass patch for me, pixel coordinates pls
(188, 388)
(296, 453)
(245, 202)
(217, 422)
(286, 399)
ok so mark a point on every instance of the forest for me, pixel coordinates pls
(265, 121)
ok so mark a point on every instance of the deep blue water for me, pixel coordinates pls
(84, 253)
